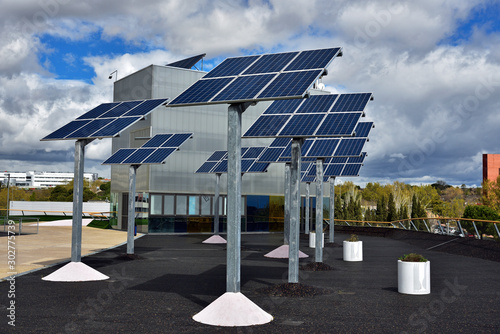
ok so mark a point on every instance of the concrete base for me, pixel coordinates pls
(75, 272)
(215, 239)
(233, 309)
(282, 253)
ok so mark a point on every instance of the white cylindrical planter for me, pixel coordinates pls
(414, 278)
(312, 240)
(353, 250)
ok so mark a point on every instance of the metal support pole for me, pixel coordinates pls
(308, 201)
(8, 188)
(233, 275)
(427, 227)
(475, 228)
(441, 227)
(132, 173)
(411, 222)
(286, 226)
(293, 255)
(76, 235)
(332, 210)
(216, 203)
(318, 252)
(461, 229)
(496, 228)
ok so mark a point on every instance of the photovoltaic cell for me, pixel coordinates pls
(188, 62)
(67, 129)
(217, 163)
(357, 160)
(258, 167)
(99, 110)
(281, 142)
(217, 155)
(245, 164)
(350, 147)
(157, 140)
(363, 129)
(338, 160)
(177, 140)
(244, 88)
(318, 104)
(313, 59)
(283, 106)
(351, 170)
(159, 155)
(351, 102)
(119, 156)
(302, 125)
(207, 166)
(145, 107)
(138, 156)
(87, 130)
(202, 91)
(338, 124)
(334, 170)
(271, 154)
(267, 126)
(253, 153)
(271, 63)
(290, 84)
(231, 67)
(121, 109)
(323, 148)
(221, 167)
(115, 127)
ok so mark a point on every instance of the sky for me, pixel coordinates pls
(433, 67)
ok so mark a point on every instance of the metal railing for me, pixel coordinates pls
(105, 214)
(18, 225)
(438, 225)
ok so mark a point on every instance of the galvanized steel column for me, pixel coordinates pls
(332, 209)
(318, 253)
(132, 173)
(308, 185)
(293, 255)
(286, 225)
(76, 235)
(216, 203)
(233, 278)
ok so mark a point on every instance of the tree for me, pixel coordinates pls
(491, 194)
(391, 209)
(381, 213)
(480, 212)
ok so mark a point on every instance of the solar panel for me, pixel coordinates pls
(322, 148)
(153, 151)
(350, 147)
(357, 160)
(333, 170)
(271, 154)
(363, 129)
(105, 120)
(351, 170)
(258, 78)
(217, 162)
(312, 117)
(187, 63)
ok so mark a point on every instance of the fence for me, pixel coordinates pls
(20, 225)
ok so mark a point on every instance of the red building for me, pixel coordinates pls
(491, 166)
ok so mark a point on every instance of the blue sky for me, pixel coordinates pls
(433, 66)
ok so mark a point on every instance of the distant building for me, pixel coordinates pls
(491, 167)
(33, 179)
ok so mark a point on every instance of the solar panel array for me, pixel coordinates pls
(333, 167)
(260, 77)
(106, 120)
(154, 151)
(330, 115)
(314, 148)
(188, 62)
(217, 162)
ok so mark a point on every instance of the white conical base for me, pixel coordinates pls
(215, 239)
(233, 309)
(75, 272)
(282, 253)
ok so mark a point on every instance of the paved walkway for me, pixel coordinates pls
(52, 244)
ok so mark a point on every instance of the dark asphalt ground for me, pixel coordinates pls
(177, 276)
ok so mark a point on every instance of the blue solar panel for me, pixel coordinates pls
(313, 59)
(281, 142)
(245, 164)
(157, 140)
(99, 110)
(217, 156)
(266, 126)
(121, 109)
(159, 155)
(333, 169)
(119, 156)
(338, 124)
(271, 63)
(272, 154)
(177, 140)
(302, 125)
(318, 104)
(308, 179)
(201, 91)
(350, 147)
(351, 170)
(231, 67)
(283, 106)
(244, 88)
(351, 102)
(322, 148)
(363, 129)
(146, 107)
(221, 167)
(67, 129)
(87, 130)
(138, 156)
(188, 62)
(258, 167)
(115, 127)
(290, 84)
(253, 152)
(207, 167)
(338, 160)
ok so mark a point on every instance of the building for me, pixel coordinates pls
(32, 179)
(491, 167)
(171, 198)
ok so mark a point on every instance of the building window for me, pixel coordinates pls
(194, 203)
(206, 205)
(181, 205)
(156, 204)
(168, 205)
